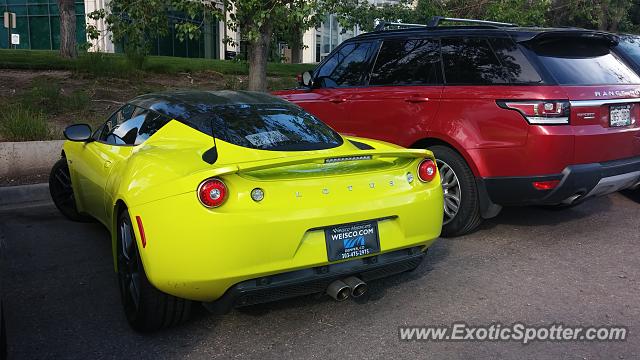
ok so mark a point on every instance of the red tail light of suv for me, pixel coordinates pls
(515, 116)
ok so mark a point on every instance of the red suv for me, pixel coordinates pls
(515, 116)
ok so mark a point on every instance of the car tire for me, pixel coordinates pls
(3, 334)
(460, 190)
(147, 309)
(62, 192)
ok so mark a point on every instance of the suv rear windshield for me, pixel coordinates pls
(583, 62)
(267, 127)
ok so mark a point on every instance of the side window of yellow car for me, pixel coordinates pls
(115, 120)
(131, 125)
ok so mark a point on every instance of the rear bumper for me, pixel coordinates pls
(577, 182)
(314, 280)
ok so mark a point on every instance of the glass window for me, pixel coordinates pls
(39, 26)
(630, 46)
(407, 62)
(132, 126)
(152, 123)
(515, 66)
(471, 61)
(347, 66)
(266, 127)
(583, 62)
(125, 113)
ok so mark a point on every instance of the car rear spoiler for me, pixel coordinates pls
(572, 33)
(362, 155)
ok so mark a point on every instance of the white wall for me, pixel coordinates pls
(104, 43)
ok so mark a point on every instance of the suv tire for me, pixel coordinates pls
(458, 184)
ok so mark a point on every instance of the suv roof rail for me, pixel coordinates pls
(435, 21)
(384, 24)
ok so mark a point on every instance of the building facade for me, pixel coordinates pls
(38, 24)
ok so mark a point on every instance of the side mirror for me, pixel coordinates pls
(307, 79)
(78, 132)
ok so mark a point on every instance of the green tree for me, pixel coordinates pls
(291, 31)
(137, 23)
(258, 19)
(365, 14)
(521, 12)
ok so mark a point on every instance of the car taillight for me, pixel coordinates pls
(212, 193)
(542, 112)
(427, 170)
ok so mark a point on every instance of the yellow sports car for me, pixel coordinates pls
(237, 198)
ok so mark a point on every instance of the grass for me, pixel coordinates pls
(45, 96)
(42, 105)
(116, 65)
(18, 123)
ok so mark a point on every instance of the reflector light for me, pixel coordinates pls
(143, 237)
(257, 194)
(212, 193)
(427, 170)
(409, 177)
(546, 185)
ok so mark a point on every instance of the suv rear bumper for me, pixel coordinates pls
(577, 182)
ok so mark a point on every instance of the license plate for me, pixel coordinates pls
(352, 240)
(619, 115)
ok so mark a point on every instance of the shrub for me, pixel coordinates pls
(18, 123)
(44, 97)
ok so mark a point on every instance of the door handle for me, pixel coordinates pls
(416, 99)
(107, 164)
(338, 100)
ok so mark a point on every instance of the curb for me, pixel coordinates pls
(14, 195)
(28, 157)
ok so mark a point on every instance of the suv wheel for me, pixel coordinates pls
(461, 204)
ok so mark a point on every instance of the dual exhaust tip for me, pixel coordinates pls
(340, 290)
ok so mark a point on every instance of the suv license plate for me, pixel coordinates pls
(352, 240)
(619, 115)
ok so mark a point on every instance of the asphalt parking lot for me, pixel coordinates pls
(579, 266)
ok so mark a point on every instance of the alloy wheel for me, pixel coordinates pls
(61, 191)
(129, 267)
(451, 189)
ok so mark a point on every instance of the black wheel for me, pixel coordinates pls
(62, 192)
(461, 204)
(3, 334)
(147, 309)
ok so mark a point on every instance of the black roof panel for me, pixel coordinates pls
(183, 104)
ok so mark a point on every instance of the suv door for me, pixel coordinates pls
(403, 92)
(335, 82)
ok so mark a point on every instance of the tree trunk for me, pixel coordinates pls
(603, 21)
(296, 53)
(68, 45)
(296, 46)
(258, 56)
